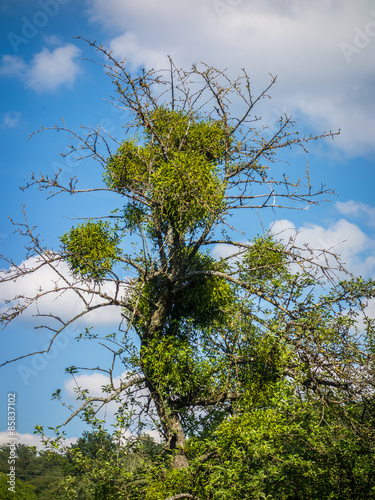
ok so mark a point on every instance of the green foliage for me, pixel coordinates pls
(102, 468)
(167, 483)
(203, 299)
(38, 475)
(179, 130)
(22, 491)
(133, 216)
(290, 449)
(185, 181)
(285, 448)
(92, 443)
(279, 437)
(95, 478)
(264, 261)
(189, 190)
(177, 367)
(91, 249)
(128, 168)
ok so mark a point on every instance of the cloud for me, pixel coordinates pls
(370, 309)
(52, 40)
(48, 70)
(13, 66)
(357, 209)
(93, 382)
(129, 44)
(222, 251)
(29, 440)
(343, 238)
(64, 304)
(301, 42)
(11, 119)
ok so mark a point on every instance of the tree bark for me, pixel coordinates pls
(177, 442)
(168, 415)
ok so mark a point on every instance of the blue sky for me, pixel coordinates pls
(323, 54)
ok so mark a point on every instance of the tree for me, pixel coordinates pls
(38, 475)
(91, 443)
(220, 342)
(102, 467)
(22, 490)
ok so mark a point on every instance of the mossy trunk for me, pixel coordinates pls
(168, 415)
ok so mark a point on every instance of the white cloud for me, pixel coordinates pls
(52, 40)
(301, 42)
(370, 309)
(64, 304)
(11, 119)
(13, 66)
(48, 70)
(94, 382)
(343, 238)
(128, 43)
(357, 209)
(222, 251)
(29, 439)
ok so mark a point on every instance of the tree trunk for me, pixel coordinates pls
(177, 442)
(172, 428)
(169, 418)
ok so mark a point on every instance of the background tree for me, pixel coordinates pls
(39, 475)
(220, 342)
(24, 491)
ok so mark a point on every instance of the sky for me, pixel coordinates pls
(323, 54)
